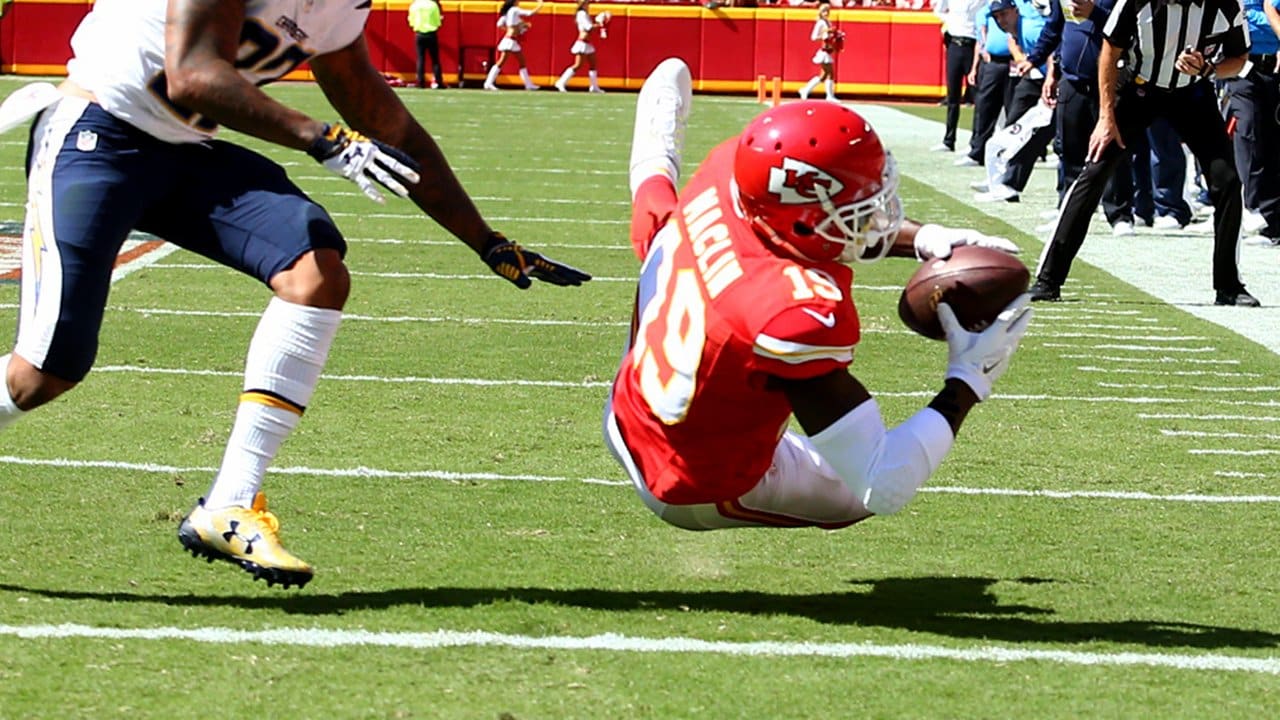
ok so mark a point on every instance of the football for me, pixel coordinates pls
(976, 282)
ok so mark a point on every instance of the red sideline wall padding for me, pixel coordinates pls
(888, 52)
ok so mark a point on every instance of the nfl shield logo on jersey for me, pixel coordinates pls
(87, 141)
(794, 183)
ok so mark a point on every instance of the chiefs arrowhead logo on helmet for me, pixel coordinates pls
(796, 182)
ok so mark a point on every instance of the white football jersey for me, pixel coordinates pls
(119, 54)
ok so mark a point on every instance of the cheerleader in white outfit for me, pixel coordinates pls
(823, 32)
(582, 48)
(514, 20)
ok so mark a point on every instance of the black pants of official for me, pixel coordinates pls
(1077, 116)
(990, 96)
(428, 43)
(1254, 103)
(1193, 112)
(959, 61)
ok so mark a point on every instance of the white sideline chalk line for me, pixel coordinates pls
(366, 472)
(614, 642)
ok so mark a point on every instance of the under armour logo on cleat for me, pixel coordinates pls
(248, 542)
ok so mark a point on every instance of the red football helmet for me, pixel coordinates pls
(813, 178)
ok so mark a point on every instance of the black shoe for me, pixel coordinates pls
(1043, 290)
(1238, 298)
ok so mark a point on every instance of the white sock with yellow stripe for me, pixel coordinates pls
(286, 356)
(8, 411)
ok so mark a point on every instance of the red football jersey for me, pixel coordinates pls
(718, 313)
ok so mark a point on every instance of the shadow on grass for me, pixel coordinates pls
(959, 607)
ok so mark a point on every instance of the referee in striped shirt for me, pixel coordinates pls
(1158, 59)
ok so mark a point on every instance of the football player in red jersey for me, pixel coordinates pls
(744, 317)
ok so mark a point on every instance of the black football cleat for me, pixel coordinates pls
(1045, 291)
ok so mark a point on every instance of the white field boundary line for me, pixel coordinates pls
(593, 384)
(395, 319)
(378, 473)
(613, 642)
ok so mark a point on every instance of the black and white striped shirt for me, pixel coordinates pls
(1158, 30)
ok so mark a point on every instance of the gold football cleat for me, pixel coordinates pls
(247, 537)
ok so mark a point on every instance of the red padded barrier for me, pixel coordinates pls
(888, 53)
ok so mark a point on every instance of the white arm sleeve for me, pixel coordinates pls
(884, 468)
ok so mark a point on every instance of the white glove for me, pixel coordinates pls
(935, 241)
(364, 160)
(979, 358)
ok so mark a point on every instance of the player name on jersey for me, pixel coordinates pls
(712, 246)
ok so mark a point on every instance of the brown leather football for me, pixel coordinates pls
(976, 282)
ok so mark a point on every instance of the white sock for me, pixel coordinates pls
(564, 77)
(492, 77)
(286, 356)
(830, 86)
(808, 88)
(524, 75)
(9, 413)
(595, 83)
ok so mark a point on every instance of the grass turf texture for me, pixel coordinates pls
(484, 522)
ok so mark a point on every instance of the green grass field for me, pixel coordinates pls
(1100, 543)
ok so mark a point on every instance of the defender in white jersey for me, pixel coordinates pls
(513, 20)
(582, 49)
(126, 143)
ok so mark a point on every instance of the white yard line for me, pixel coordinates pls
(613, 642)
(450, 476)
(594, 384)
